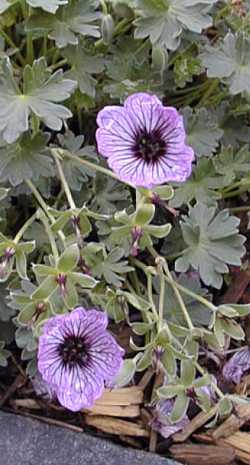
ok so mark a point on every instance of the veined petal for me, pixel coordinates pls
(116, 121)
(148, 148)
(77, 355)
(145, 108)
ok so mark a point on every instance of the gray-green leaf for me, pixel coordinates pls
(41, 92)
(231, 61)
(213, 242)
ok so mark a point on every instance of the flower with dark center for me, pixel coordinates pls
(144, 142)
(77, 357)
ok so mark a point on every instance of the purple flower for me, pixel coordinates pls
(144, 141)
(237, 365)
(161, 421)
(77, 356)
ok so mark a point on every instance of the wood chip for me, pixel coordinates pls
(193, 454)
(152, 441)
(146, 417)
(232, 424)
(240, 441)
(115, 426)
(125, 396)
(198, 421)
(26, 403)
(128, 411)
(131, 441)
(244, 387)
(146, 378)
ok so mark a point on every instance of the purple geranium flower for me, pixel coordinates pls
(77, 356)
(161, 419)
(144, 141)
(237, 366)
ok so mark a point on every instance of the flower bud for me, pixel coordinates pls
(159, 58)
(107, 29)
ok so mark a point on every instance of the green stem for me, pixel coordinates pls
(177, 254)
(56, 55)
(58, 64)
(190, 89)
(213, 85)
(104, 7)
(64, 181)
(134, 279)
(77, 160)
(50, 234)
(121, 27)
(10, 42)
(200, 369)
(223, 12)
(198, 297)
(29, 46)
(39, 198)
(213, 385)
(178, 297)
(26, 225)
(162, 297)
(244, 208)
(43, 205)
(150, 295)
(45, 44)
(235, 193)
(231, 187)
(181, 288)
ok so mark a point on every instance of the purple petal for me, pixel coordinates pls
(77, 355)
(116, 121)
(161, 422)
(144, 142)
(237, 366)
(145, 108)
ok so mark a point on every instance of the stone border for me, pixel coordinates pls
(25, 441)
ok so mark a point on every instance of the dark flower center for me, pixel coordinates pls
(150, 147)
(73, 351)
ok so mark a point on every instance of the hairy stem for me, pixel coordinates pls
(178, 297)
(213, 85)
(81, 161)
(44, 220)
(64, 181)
(26, 225)
(10, 42)
(43, 205)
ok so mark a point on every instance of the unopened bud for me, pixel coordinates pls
(61, 281)
(107, 29)
(159, 58)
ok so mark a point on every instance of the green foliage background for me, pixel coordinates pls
(60, 63)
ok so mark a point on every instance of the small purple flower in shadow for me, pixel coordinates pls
(77, 356)
(161, 422)
(237, 366)
(144, 142)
